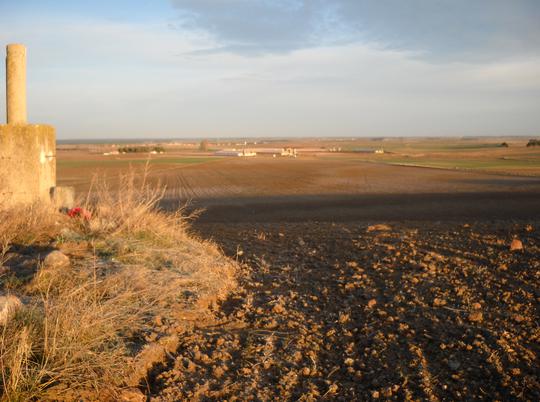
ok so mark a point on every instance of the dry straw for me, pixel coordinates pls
(78, 329)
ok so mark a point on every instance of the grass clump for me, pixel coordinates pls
(81, 326)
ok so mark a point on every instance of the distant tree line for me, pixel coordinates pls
(533, 143)
(204, 145)
(129, 150)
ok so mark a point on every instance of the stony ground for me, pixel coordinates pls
(352, 311)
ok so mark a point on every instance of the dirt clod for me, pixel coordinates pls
(476, 316)
(306, 334)
(516, 245)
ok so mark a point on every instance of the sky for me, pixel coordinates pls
(248, 68)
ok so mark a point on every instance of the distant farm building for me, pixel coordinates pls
(234, 152)
(257, 151)
(275, 151)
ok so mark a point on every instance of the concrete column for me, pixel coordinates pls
(16, 84)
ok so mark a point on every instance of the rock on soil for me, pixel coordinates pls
(132, 395)
(56, 259)
(516, 245)
(444, 321)
(9, 305)
(381, 227)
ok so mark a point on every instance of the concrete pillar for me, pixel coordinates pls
(16, 84)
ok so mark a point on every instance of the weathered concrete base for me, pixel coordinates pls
(63, 196)
(27, 164)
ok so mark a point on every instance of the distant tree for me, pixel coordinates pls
(203, 146)
(533, 143)
(128, 150)
(504, 145)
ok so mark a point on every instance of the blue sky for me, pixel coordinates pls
(216, 68)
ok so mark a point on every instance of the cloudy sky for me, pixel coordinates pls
(216, 68)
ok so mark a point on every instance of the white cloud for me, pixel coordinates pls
(105, 79)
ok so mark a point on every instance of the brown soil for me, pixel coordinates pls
(228, 178)
(352, 311)
(361, 281)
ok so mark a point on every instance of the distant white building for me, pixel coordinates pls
(275, 151)
(234, 152)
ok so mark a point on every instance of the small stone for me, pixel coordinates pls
(453, 364)
(438, 302)
(349, 361)
(375, 394)
(518, 318)
(516, 245)
(218, 372)
(343, 318)
(278, 309)
(56, 259)
(476, 316)
(332, 389)
(9, 305)
(379, 228)
(476, 306)
(271, 324)
(372, 303)
(132, 395)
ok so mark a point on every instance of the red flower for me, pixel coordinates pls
(79, 212)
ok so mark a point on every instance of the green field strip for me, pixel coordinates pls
(127, 162)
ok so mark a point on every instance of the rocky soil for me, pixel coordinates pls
(357, 311)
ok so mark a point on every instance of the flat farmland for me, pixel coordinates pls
(363, 276)
(323, 185)
(189, 176)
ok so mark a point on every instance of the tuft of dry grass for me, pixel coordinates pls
(80, 326)
(25, 226)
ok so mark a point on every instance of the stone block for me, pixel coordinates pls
(63, 197)
(27, 164)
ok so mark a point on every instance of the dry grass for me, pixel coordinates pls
(32, 225)
(80, 326)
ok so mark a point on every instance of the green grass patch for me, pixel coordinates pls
(491, 164)
(139, 161)
(473, 164)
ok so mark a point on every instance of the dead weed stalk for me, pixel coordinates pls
(79, 325)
